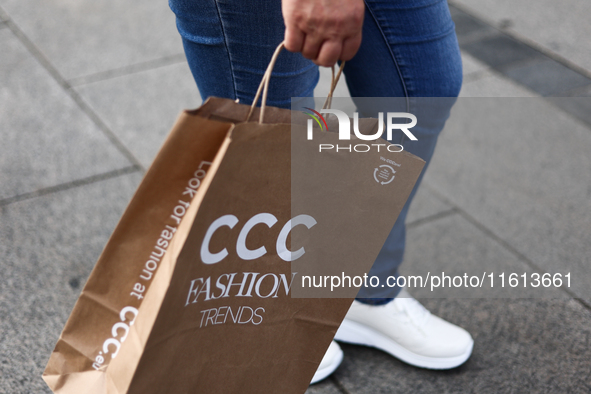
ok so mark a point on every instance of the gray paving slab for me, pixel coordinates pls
(141, 108)
(521, 168)
(548, 77)
(425, 205)
(48, 246)
(584, 92)
(46, 139)
(324, 387)
(521, 346)
(470, 29)
(466, 25)
(559, 26)
(471, 66)
(453, 249)
(579, 106)
(501, 51)
(490, 83)
(86, 37)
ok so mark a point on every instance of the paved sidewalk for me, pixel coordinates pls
(89, 90)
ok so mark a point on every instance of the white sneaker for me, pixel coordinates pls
(330, 362)
(407, 331)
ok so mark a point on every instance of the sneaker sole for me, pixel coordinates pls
(329, 369)
(359, 334)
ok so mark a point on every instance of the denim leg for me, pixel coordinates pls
(409, 50)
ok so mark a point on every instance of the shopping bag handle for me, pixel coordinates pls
(264, 85)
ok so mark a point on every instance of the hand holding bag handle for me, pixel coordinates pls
(264, 85)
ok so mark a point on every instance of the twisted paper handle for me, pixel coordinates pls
(264, 85)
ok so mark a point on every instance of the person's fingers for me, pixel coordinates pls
(329, 53)
(294, 39)
(311, 23)
(311, 47)
(350, 47)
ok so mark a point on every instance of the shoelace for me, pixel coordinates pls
(416, 312)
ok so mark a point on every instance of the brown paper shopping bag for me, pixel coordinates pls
(192, 293)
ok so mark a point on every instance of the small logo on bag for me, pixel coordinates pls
(345, 130)
(384, 174)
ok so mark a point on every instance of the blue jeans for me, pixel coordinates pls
(409, 50)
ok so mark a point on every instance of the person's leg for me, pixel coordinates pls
(228, 45)
(409, 50)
